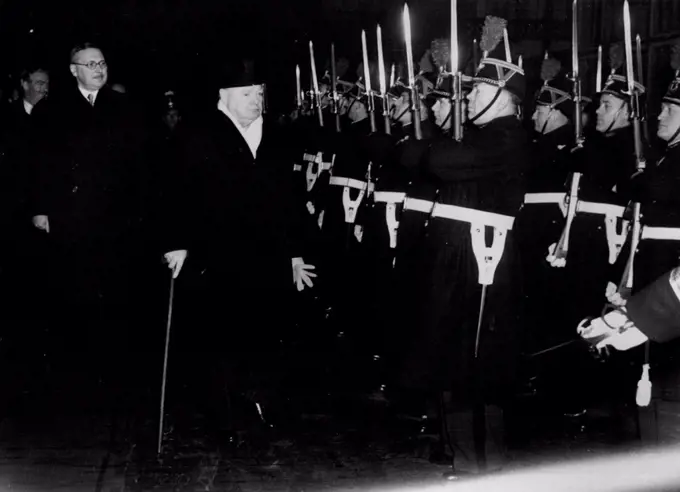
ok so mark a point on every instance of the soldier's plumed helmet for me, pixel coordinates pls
(555, 92)
(673, 93)
(493, 69)
(617, 85)
(444, 86)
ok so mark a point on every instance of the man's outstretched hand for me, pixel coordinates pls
(302, 274)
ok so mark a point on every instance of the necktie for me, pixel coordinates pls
(90, 98)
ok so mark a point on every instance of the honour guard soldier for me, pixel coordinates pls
(350, 188)
(596, 225)
(658, 242)
(467, 340)
(595, 229)
(539, 223)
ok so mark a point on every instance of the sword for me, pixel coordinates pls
(165, 365)
(480, 318)
(562, 247)
(627, 280)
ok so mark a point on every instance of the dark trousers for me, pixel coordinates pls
(660, 422)
(227, 342)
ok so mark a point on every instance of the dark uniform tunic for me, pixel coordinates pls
(485, 172)
(607, 163)
(420, 187)
(350, 187)
(545, 288)
(539, 225)
(657, 191)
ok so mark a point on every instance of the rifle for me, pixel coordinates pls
(415, 98)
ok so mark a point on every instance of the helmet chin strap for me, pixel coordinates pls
(671, 141)
(488, 107)
(611, 125)
(446, 120)
(402, 113)
(545, 125)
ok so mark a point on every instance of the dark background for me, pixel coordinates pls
(156, 45)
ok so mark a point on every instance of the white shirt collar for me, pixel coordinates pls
(252, 135)
(28, 107)
(86, 93)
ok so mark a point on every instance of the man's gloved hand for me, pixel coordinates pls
(175, 260)
(42, 222)
(302, 274)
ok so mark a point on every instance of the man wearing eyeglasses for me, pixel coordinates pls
(87, 200)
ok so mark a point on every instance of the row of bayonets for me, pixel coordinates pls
(456, 95)
(413, 90)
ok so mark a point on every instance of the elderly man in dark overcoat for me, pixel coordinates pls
(236, 228)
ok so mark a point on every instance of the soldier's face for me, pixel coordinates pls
(401, 109)
(36, 87)
(357, 111)
(344, 103)
(669, 121)
(245, 103)
(172, 118)
(541, 117)
(612, 113)
(90, 78)
(442, 112)
(479, 98)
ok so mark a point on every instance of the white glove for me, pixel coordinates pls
(552, 259)
(302, 275)
(175, 260)
(614, 329)
(359, 233)
(42, 223)
(613, 296)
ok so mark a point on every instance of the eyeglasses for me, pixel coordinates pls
(93, 65)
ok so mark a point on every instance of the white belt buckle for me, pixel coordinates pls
(313, 171)
(488, 257)
(615, 239)
(392, 223)
(351, 206)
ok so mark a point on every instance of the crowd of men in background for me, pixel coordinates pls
(443, 261)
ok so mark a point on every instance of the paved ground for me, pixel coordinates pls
(323, 452)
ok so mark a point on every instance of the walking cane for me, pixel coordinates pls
(165, 364)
